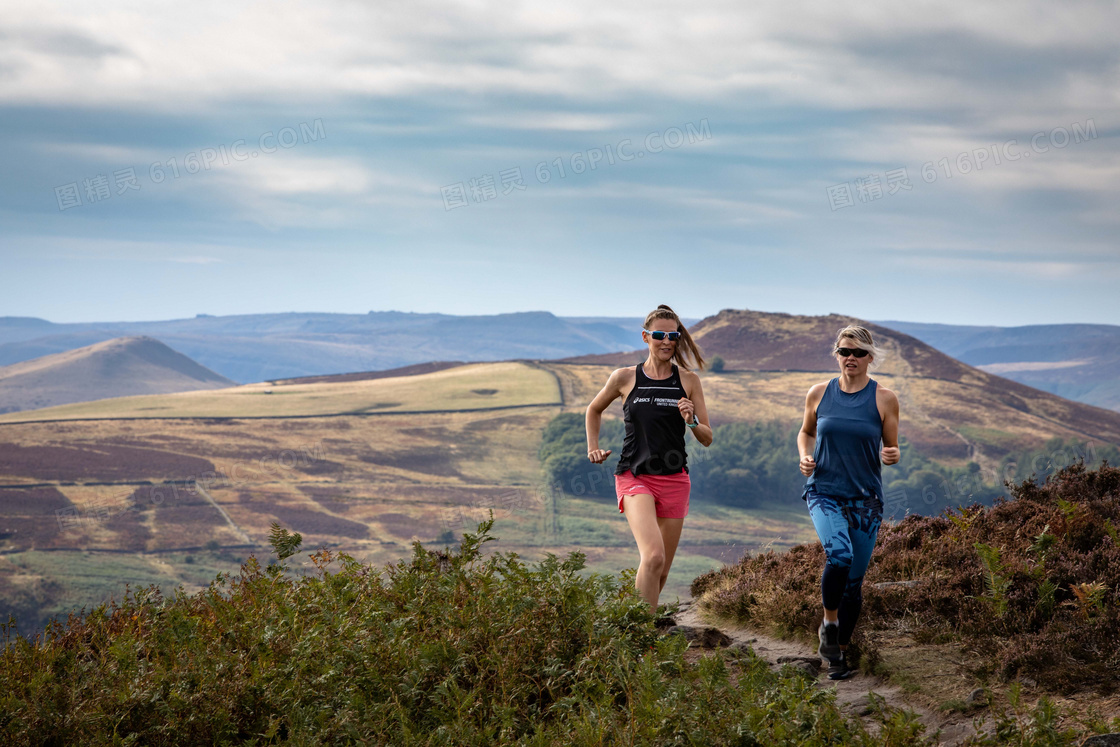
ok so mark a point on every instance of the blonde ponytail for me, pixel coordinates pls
(687, 355)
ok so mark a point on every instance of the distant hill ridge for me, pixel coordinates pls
(267, 347)
(766, 341)
(763, 341)
(115, 368)
(1078, 361)
(369, 464)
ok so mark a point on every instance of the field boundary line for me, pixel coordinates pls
(141, 553)
(288, 417)
(536, 365)
(73, 484)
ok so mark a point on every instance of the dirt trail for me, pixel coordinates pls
(851, 694)
(236, 529)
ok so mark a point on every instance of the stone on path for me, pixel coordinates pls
(810, 664)
(862, 706)
(1102, 740)
(707, 637)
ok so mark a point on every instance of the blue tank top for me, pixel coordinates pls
(849, 433)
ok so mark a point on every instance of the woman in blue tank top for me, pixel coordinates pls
(850, 428)
(661, 401)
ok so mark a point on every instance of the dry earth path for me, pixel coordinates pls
(851, 694)
(236, 529)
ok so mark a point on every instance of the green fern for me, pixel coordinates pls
(963, 522)
(285, 543)
(1069, 510)
(995, 582)
(1046, 597)
(1110, 528)
(1043, 543)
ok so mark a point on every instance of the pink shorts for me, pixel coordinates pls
(670, 492)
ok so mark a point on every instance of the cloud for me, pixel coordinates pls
(548, 120)
(99, 152)
(879, 55)
(59, 42)
(290, 174)
(422, 95)
(1011, 266)
(195, 260)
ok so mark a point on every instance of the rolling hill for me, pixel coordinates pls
(1078, 361)
(261, 347)
(114, 368)
(102, 493)
(172, 487)
(951, 411)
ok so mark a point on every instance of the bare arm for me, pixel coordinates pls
(888, 411)
(694, 406)
(609, 393)
(807, 436)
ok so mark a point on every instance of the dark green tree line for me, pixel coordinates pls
(754, 465)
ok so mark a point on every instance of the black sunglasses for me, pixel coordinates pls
(659, 335)
(845, 352)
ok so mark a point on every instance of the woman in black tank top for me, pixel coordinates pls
(662, 399)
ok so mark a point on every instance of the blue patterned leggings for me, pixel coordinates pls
(847, 528)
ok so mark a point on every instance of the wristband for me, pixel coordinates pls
(694, 422)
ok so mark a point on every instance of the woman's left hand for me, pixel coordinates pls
(889, 455)
(687, 409)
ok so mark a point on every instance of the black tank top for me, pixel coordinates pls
(654, 443)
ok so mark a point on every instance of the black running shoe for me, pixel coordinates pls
(829, 633)
(839, 669)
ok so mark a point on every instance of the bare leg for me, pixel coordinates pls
(670, 536)
(641, 515)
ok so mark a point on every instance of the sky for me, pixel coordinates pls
(926, 161)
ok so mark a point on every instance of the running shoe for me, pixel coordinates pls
(829, 634)
(839, 669)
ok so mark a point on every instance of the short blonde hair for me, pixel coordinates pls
(861, 337)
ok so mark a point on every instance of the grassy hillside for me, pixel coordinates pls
(461, 388)
(1020, 598)
(122, 366)
(367, 466)
(951, 412)
(86, 503)
(454, 648)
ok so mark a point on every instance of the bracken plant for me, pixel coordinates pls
(1028, 586)
(452, 647)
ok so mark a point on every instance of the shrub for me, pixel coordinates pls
(449, 648)
(1029, 585)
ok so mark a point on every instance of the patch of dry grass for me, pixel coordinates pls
(1028, 587)
(483, 385)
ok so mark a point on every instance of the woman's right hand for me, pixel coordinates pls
(598, 455)
(807, 465)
